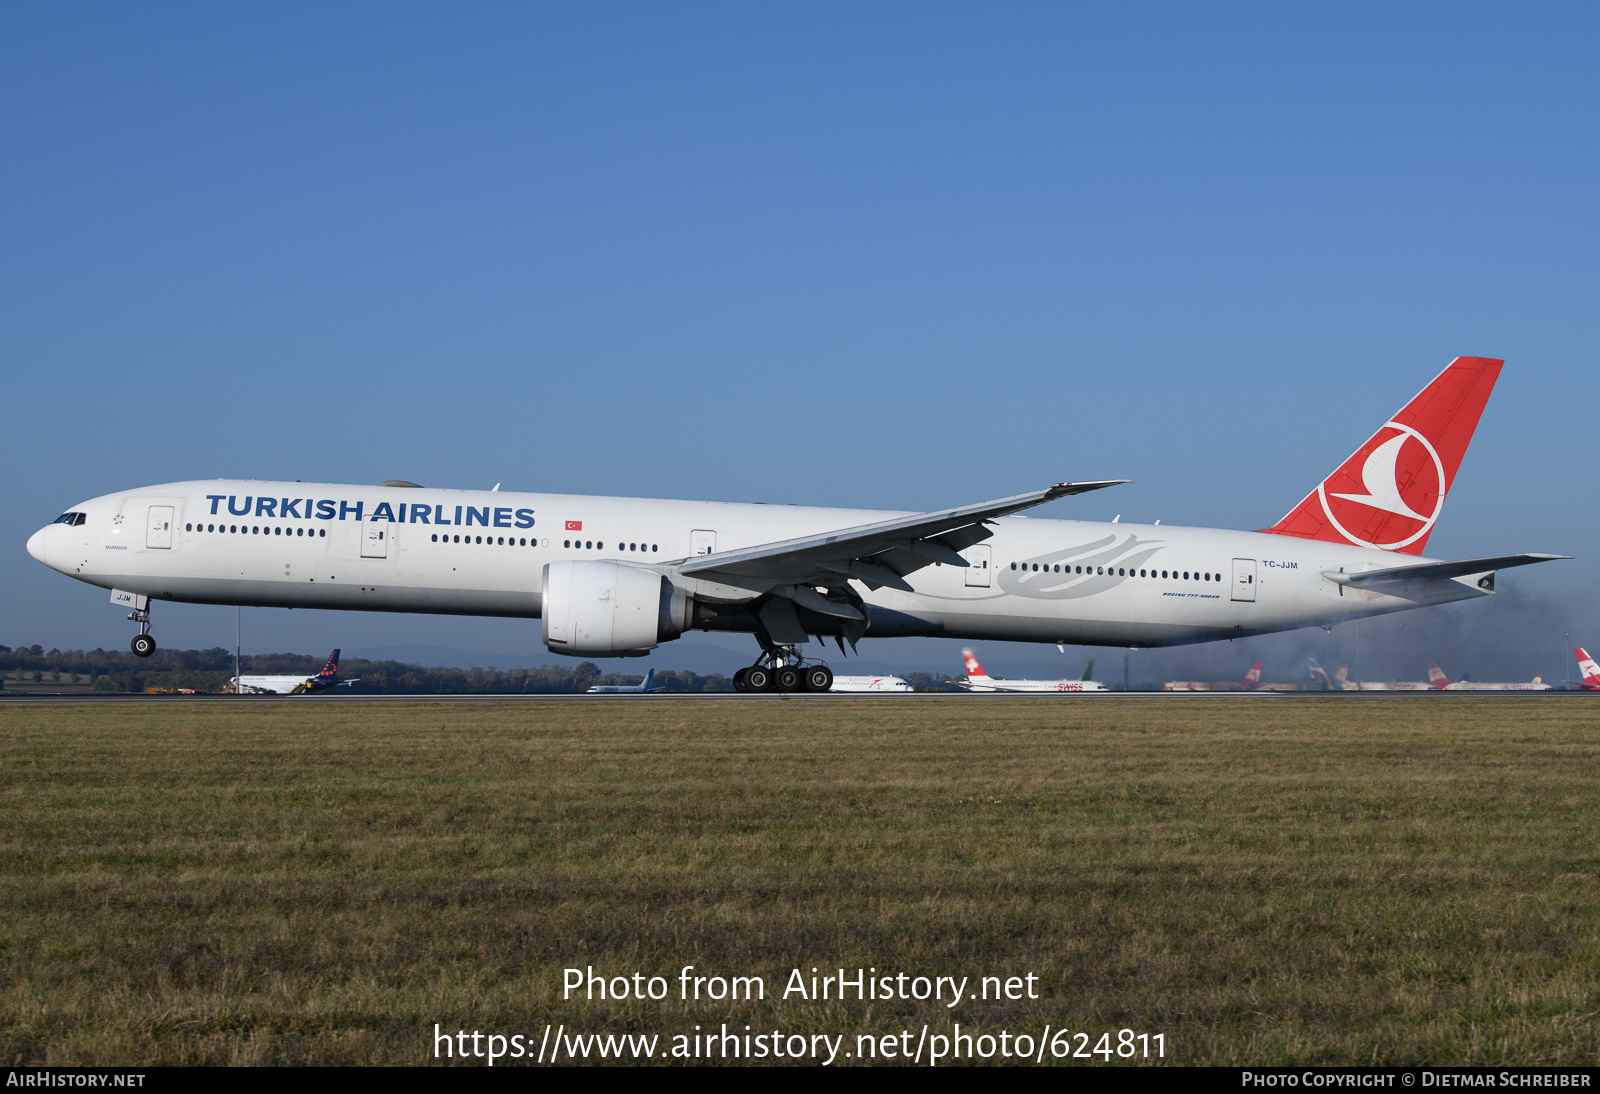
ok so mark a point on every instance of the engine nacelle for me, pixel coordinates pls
(610, 609)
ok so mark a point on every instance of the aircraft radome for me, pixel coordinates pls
(615, 577)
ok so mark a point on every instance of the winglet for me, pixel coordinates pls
(1067, 489)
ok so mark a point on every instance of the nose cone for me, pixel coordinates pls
(36, 545)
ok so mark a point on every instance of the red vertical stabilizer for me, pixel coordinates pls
(1591, 671)
(1389, 493)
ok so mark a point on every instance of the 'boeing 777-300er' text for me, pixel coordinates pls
(617, 576)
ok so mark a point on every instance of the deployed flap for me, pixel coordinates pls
(1439, 570)
(782, 624)
(817, 557)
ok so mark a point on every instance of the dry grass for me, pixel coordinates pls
(1394, 881)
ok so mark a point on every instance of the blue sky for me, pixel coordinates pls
(900, 256)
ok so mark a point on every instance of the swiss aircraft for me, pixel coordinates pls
(979, 680)
(327, 677)
(640, 688)
(612, 577)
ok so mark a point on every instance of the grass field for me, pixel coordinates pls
(1333, 881)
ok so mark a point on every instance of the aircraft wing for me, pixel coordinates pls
(882, 553)
(1439, 570)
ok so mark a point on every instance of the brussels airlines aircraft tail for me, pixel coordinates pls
(1590, 670)
(1388, 494)
(329, 674)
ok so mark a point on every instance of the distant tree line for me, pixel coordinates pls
(209, 670)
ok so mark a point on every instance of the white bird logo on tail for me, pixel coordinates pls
(1383, 485)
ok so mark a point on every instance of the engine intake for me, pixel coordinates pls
(610, 609)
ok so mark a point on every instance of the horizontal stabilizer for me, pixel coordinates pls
(1431, 571)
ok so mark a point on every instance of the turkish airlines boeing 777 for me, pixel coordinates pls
(617, 576)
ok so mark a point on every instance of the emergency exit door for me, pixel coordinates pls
(702, 541)
(158, 532)
(1244, 579)
(375, 538)
(978, 558)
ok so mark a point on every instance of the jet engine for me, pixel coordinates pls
(610, 609)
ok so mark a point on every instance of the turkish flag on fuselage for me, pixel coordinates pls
(1389, 493)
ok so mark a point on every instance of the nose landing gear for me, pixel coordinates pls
(143, 645)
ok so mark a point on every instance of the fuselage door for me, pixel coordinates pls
(979, 574)
(702, 541)
(158, 533)
(1244, 579)
(375, 538)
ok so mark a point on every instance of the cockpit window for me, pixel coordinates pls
(72, 519)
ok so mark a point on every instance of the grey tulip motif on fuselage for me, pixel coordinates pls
(1046, 583)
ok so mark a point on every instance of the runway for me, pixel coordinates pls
(782, 697)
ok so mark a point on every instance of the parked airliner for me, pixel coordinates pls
(1440, 682)
(977, 679)
(872, 684)
(327, 677)
(641, 688)
(1588, 668)
(617, 576)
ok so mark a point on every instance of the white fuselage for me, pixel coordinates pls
(272, 685)
(1471, 685)
(870, 683)
(987, 683)
(460, 552)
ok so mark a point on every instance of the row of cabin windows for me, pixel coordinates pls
(599, 545)
(255, 530)
(268, 530)
(513, 541)
(503, 541)
(1115, 571)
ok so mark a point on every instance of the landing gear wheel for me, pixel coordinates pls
(739, 681)
(819, 678)
(787, 678)
(143, 645)
(758, 678)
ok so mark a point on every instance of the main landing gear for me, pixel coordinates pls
(143, 645)
(781, 668)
